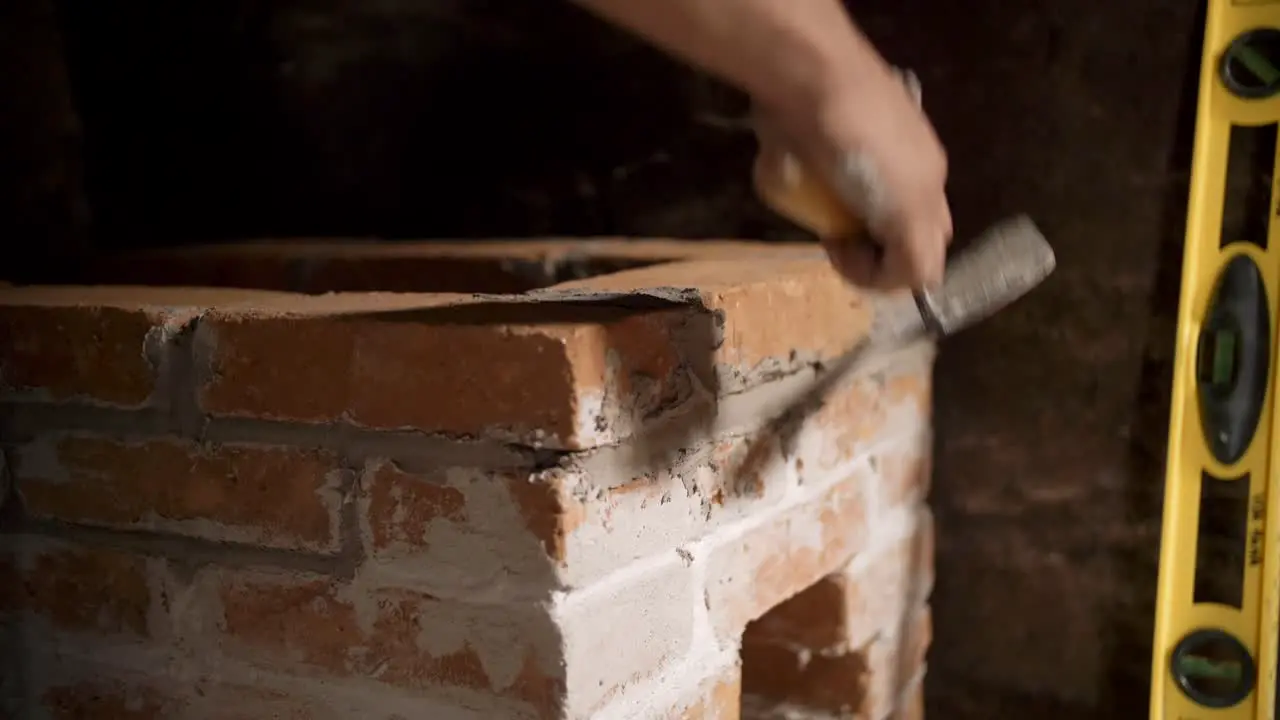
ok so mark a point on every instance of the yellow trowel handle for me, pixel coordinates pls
(794, 192)
(802, 196)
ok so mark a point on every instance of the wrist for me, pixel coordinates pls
(834, 86)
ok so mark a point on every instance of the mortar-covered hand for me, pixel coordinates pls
(872, 144)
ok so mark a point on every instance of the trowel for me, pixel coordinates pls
(1004, 263)
(1007, 261)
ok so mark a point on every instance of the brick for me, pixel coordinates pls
(400, 638)
(447, 532)
(849, 607)
(898, 659)
(568, 526)
(718, 698)
(788, 550)
(653, 615)
(77, 589)
(776, 675)
(553, 529)
(911, 704)
(866, 681)
(399, 508)
(590, 530)
(97, 354)
(905, 472)
(278, 497)
(102, 345)
(891, 397)
(558, 661)
(548, 368)
(779, 316)
(565, 527)
(506, 368)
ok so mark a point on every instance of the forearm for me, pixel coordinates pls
(781, 52)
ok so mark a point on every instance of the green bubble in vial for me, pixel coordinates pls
(1258, 64)
(1191, 666)
(1224, 356)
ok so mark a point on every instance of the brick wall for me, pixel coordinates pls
(584, 500)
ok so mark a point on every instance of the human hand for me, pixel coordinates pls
(880, 162)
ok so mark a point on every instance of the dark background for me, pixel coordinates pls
(157, 122)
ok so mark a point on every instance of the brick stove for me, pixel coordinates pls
(564, 498)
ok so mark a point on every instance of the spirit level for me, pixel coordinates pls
(1218, 602)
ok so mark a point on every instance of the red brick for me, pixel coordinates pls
(849, 607)
(442, 364)
(92, 353)
(104, 345)
(839, 682)
(77, 589)
(279, 497)
(787, 552)
(865, 681)
(400, 507)
(477, 523)
(280, 620)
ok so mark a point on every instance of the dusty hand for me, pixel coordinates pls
(875, 148)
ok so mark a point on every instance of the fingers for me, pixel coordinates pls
(911, 257)
(858, 261)
(916, 256)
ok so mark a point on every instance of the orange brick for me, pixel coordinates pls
(77, 589)
(780, 314)
(512, 369)
(105, 345)
(393, 636)
(849, 607)
(785, 554)
(719, 698)
(278, 497)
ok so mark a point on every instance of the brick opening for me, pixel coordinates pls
(256, 502)
(853, 644)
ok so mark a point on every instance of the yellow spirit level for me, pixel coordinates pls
(1218, 603)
